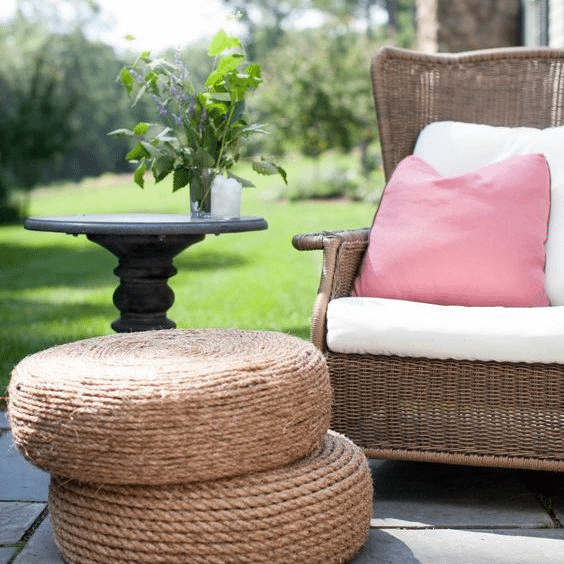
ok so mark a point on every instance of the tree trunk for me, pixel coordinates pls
(477, 24)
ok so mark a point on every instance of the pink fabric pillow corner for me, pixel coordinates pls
(476, 239)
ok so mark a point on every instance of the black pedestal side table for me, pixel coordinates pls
(145, 245)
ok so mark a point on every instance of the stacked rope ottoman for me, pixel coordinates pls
(189, 446)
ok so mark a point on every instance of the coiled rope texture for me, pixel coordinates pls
(163, 407)
(316, 511)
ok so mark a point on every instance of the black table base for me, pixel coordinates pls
(145, 245)
(144, 266)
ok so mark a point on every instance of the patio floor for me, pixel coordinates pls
(423, 514)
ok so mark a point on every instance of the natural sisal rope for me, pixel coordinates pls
(316, 511)
(170, 406)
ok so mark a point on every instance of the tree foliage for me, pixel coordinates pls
(264, 21)
(58, 100)
(93, 68)
(317, 91)
(34, 123)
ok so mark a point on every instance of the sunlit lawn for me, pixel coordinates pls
(56, 288)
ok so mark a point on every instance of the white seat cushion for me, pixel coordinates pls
(392, 327)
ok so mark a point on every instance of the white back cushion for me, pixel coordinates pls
(454, 148)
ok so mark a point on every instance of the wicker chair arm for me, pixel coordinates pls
(318, 241)
(342, 254)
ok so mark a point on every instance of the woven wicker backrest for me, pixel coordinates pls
(511, 87)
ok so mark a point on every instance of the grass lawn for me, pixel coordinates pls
(56, 288)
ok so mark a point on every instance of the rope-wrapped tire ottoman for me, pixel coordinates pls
(164, 407)
(316, 511)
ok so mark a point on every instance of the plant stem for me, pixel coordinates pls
(222, 146)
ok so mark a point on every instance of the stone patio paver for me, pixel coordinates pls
(41, 548)
(19, 480)
(558, 507)
(549, 485)
(424, 495)
(16, 518)
(448, 546)
(6, 553)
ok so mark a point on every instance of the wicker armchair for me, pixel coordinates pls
(487, 413)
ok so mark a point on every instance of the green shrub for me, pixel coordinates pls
(332, 182)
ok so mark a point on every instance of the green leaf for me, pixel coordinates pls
(203, 159)
(162, 167)
(214, 78)
(244, 182)
(254, 72)
(152, 148)
(238, 85)
(217, 44)
(229, 63)
(238, 112)
(122, 133)
(139, 175)
(126, 80)
(253, 128)
(191, 134)
(181, 178)
(141, 128)
(164, 135)
(152, 80)
(220, 42)
(264, 167)
(137, 153)
(218, 112)
(142, 91)
(144, 56)
(283, 174)
(220, 96)
(269, 168)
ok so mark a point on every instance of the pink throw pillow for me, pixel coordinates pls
(475, 239)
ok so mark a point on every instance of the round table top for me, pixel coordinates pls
(143, 224)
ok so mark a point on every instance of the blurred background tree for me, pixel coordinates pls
(321, 102)
(34, 127)
(58, 100)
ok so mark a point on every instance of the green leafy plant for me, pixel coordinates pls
(201, 131)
